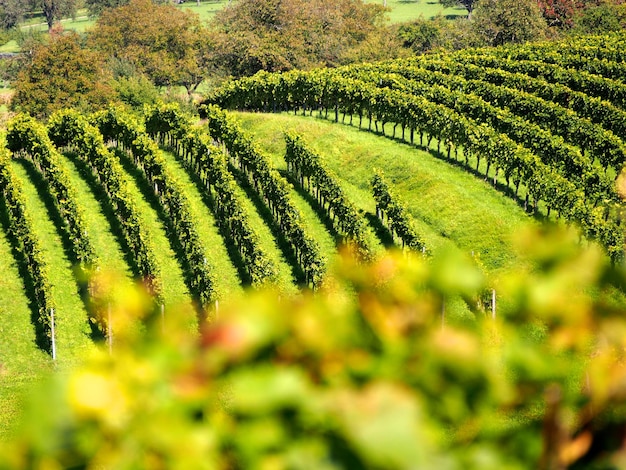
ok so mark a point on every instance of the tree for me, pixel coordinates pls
(166, 44)
(55, 10)
(61, 74)
(605, 17)
(276, 35)
(559, 13)
(498, 22)
(11, 13)
(420, 35)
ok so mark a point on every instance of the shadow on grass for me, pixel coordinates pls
(145, 187)
(42, 341)
(315, 205)
(382, 232)
(209, 200)
(45, 195)
(266, 215)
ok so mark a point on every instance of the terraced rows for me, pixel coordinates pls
(556, 140)
(199, 211)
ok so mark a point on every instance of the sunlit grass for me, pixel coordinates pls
(72, 330)
(227, 281)
(21, 362)
(450, 206)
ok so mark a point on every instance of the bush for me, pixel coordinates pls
(366, 374)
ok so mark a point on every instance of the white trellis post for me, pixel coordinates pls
(163, 318)
(443, 312)
(109, 329)
(493, 304)
(54, 344)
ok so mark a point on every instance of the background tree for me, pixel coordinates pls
(275, 35)
(421, 35)
(166, 44)
(559, 13)
(498, 22)
(467, 4)
(11, 13)
(603, 17)
(55, 10)
(61, 74)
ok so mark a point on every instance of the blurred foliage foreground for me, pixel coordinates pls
(363, 374)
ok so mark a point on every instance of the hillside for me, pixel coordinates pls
(439, 158)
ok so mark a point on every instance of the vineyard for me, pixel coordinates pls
(279, 173)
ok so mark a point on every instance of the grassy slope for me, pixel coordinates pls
(451, 207)
(285, 277)
(70, 314)
(110, 255)
(174, 288)
(21, 362)
(227, 281)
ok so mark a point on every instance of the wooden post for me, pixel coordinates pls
(54, 344)
(493, 304)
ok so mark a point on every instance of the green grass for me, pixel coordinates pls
(175, 291)
(450, 206)
(72, 329)
(206, 10)
(106, 245)
(226, 278)
(11, 46)
(401, 11)
(80, 23)
(22, 364)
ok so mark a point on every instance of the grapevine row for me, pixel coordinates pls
(20, 228)
(130, 133)
(552, 150)
(307, 167)
(317, 90)
(598, 110)
(585, 82)
(273, 189)
(208, 163)
(29, 139)
(70, 128)
(398, 218)
(561, 121)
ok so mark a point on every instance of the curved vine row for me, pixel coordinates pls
(316, 90)
(69, 128)
(272, 188)
(208, 163)
(313, 176)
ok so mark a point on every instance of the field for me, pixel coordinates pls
(451, 158)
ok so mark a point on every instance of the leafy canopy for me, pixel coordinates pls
(278, 35)
(61, 74)
(166, 44)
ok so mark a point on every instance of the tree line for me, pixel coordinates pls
(137, 49)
